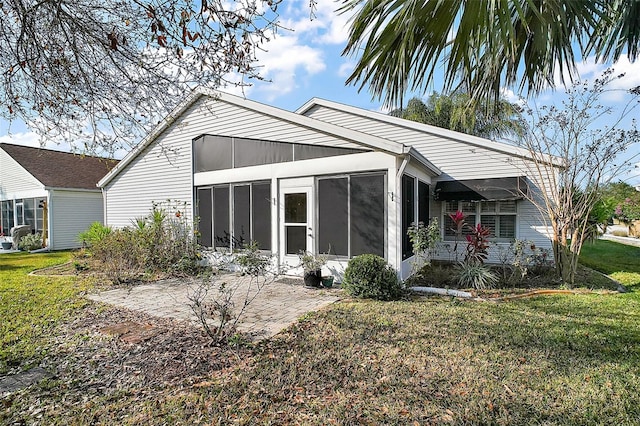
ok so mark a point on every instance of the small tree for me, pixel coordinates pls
(573, 155)
(219, 304)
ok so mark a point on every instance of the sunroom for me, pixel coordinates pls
(291, 198)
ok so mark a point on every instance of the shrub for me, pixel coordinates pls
(120, 255)
(370, 276)
(476, 275)
(94, 234)
(30, 242)
(160, 242)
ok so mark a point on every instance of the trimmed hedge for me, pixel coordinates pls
(370, 276)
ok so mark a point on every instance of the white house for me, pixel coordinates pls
(35, 180)
(328, 178)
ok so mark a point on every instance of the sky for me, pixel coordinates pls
(306, 62)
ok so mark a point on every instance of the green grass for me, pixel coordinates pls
(621, 262)
(31, 306)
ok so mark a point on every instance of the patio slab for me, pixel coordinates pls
(276, 306)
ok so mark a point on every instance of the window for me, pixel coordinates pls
(351, 215)
(6, 210)
(204, 213)
(231, 216)
(28, 211)
(224, 152)
(423, 202)
(499, 216)
(408, 212)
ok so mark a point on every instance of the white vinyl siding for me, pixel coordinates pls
(164, 169)
(71, 212)
(457, 159)
(15, 181)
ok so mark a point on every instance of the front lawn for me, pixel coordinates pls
(31, 307)
(564, 359)
(619, 261)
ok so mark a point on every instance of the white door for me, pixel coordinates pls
(296, 219)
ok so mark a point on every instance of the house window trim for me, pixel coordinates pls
(478, 217)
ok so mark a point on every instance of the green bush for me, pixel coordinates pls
(94, 234)
(370, 276)
(30, 242)
(120, 255)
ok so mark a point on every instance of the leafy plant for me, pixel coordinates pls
(370, 276)
(424, 239)
(311, 262)
(163, 241)
(30, 242)
(477, 244)
(94, 234)
(475, 275)
(629, 209)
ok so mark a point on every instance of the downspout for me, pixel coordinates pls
(399, 194)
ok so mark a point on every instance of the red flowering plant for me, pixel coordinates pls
(478, 244)
(458, 219)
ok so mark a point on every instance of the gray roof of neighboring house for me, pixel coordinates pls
(56, 169)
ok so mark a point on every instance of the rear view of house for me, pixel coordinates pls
(50, 191)
(327, 178)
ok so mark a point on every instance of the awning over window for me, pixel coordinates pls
(509, 188)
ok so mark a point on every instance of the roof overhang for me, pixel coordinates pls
(493, 189)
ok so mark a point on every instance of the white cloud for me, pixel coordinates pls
(346, 69)
(589, 70)
(285, 62)
(325, 26)
(23, 138)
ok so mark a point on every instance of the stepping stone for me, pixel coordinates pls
(16, 382)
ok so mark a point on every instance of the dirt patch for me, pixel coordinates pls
(131, 332)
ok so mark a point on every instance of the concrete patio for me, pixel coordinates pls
(276, 306)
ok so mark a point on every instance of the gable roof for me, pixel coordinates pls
(426, 128)
(375, 142)
(57, 169)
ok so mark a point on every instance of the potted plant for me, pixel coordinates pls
(312, 266)
(6, 245)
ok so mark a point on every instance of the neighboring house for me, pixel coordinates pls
(35, 180)
(327, 178)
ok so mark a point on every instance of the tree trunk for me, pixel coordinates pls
(566, 263)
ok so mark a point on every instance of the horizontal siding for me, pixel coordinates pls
(232, 120)
(163, 170)
(71, 213)
(14, 178)
(456, 159)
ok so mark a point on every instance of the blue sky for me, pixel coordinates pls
(306, 62)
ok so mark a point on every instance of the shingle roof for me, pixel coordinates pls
(56, 169)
